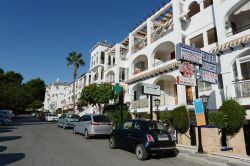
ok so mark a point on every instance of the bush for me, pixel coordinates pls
(217, 118)
(113, 112)
(166, 116)
(234, 115)
(180, 119)
(145, 115)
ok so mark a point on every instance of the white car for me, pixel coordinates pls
(51, 117)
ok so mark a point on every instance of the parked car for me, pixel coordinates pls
(92, 125)
(8, 113)
(67, 120)
(4, 120)
(41, 115)
(144, 137)
(51, 117)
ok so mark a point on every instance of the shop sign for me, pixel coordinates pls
(209, 58)
(186, 81)
(151, 89)
(186, 69)
(199, 112)
(209, 76)
(188, 53)
(209, 67)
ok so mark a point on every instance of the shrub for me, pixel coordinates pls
(234, 115)
(166, 116)
(180, 119)
(145, 115)
(113, 112)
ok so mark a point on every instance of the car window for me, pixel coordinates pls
(101, 118)
(156, 127)
(86, 118)
(137, 126)
(127, 126)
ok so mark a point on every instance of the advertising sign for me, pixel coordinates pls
(199, 112)
(209, 58)
(188, 53)
(151, 89)
(186, 69)
(186, 81)
(209, 67)
(209, 76)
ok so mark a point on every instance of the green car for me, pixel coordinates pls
(67, 120)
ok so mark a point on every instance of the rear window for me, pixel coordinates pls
(101, 118)
(156, 127)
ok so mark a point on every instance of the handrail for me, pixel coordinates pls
(238, 30)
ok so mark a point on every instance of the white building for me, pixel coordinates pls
(55, 96)
(148, 54)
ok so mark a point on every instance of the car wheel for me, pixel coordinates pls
(74, 130)
(112, 143)
(141, 152)
(86, 134)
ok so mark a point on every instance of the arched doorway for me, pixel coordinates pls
(140, 64)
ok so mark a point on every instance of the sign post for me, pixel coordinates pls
(151, 90)
(118, 89)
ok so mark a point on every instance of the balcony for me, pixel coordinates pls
(140, 45)
(140, 103)
(238, 30)
(169, 98)
(242, 89)
(163, 30)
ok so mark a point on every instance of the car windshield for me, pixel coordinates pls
(156, 127)
(73, 116)
(101, 118)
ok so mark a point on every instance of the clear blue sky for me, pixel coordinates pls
(37, 35)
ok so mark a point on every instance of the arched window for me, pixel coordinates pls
(102, 57)
(194, 8)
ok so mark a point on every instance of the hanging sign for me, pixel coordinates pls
(186, 69)
(199, 112)
(186, 81)
(151, 89)
(209, 76)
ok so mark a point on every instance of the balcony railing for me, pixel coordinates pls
(163, 30)
(140, 45)
(141, 103)
(242, 89)
(138, 70)
(169, 98)
(238, 30)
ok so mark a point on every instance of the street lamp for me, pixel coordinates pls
(157, 103)
(204, 99)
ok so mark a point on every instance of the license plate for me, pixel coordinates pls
(163, 138)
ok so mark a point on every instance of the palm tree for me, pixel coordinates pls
(76, 60)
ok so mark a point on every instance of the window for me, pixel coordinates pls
(235, 71)
(113, 60)
(220, 81)
(197, 41)
(109, 60)
(127, 126)
(245, 70)
(102, 57)
(212, 36)
(194, 8)
(207, 3)
(204, 86)
(172, 55)
(137, 126)
(122, 75)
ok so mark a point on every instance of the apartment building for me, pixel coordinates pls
(148, 54)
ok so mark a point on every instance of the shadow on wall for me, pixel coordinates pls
(10, 158)
(212, 101)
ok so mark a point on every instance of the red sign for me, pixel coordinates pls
(186, 69)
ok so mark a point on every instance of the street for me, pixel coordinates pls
(30, 142)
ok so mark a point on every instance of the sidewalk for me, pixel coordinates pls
(214, 159)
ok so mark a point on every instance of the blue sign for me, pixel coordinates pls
(209, 67)
(209, 58)
(188, 53)
(198, 106)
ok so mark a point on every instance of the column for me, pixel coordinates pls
(181, 94)
(99, 74)
(150, 28)
(131, 43)
(176, 20)
(87, 79)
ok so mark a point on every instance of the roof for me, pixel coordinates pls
(104, 43)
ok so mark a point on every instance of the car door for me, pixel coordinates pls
(136, 134)
(77, 125)
(125, 134)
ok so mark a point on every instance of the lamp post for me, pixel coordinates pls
(204, 99)
(157, 103)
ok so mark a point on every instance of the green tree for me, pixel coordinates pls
(113, 112)
(76, 60)
(230, 117)
(180, 119)
(97, 94)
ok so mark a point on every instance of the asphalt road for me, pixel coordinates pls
(30, 142)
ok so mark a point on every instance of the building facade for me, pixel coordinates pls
(148, 55)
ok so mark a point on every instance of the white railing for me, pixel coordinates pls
(169, 98)
(163, 30)
(242, 89)
(141, 103)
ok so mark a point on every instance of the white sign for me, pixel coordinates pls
(151, 89)
(209, 76)
(186, 81)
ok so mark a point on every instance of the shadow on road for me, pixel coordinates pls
(11, 158)
(5, 130)
(9, 138)
(2, 148)
(22, 120)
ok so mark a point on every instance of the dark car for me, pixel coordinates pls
(144, 137)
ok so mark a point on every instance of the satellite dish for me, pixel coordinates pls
(53, 105)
